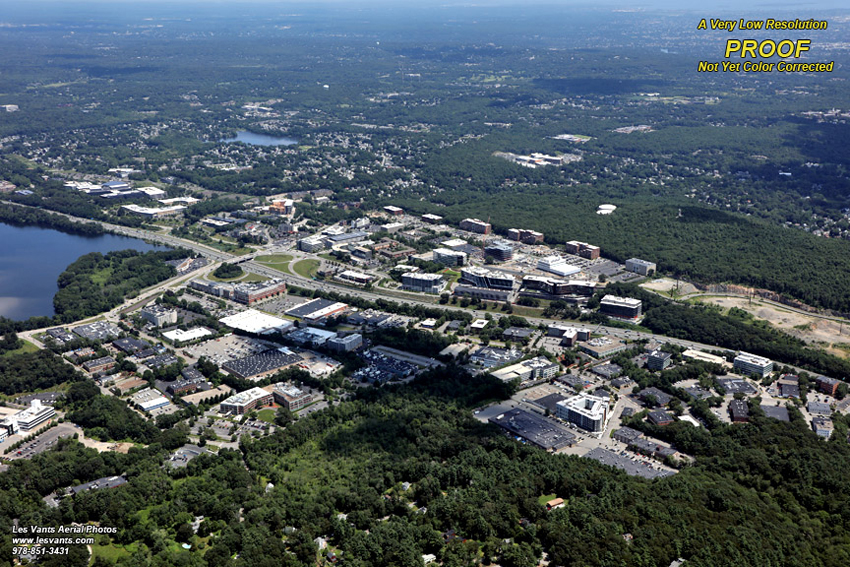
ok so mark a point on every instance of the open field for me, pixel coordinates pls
(813, 330)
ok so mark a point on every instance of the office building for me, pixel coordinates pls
(658, 360)
(489, 279)
(602, 347)
(751, 364)
(244, 402)
(354, 278)
(583, 249)
(558, 287)
(475, 225)
(27, 419)
(557, 265)
(501, 251)
(449, 257)
(423, 283)
(827, 385)
(285, 207)
(641, 267)
(535, 429)
(347, 343)
(291, 397)
(99, 364)
(432, 219)
(586, 411)
(317, 310)
(539, 368)
(394, 211)
(311, 244)
(739, 411)
(620, 307)
(159, 315)
(525, 236)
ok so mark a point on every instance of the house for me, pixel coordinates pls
(555, 503)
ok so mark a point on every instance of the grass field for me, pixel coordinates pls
(27, 347)
(546, 498)
(112, 553)
(266, 415)
(306, 268)
(276, 261)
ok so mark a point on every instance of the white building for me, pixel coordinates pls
(641, 267)
(586, 411)
(557, 265)
(423, 283)
(449, 257)
(747, 363)
(159, 315)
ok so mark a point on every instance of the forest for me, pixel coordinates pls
(95, 283)
(764, 493)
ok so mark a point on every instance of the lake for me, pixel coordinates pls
(253, 139)
(31, 259)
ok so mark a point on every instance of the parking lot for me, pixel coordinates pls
(227, 348)
(43, 442)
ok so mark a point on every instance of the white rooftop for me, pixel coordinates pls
(179, 335)
(253, 321)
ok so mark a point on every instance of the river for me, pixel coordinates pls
(31, 259)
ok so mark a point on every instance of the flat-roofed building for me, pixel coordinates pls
(586, 411)
(692, 354)
(475, 225)
(244, 402)
(353, 277)
(484, 278)
(250, 293)
(602, 347)
(557, 265)
(313, 243)
(525, 236)
(317, 309)
(159, 315)
(432, 219)
(99, 364)
(828, 385)
(583, 249)
(423, 283)
(658, 360)
(449, 257)
(501, 251)
(28, 419)
(537, 430)
(620, 307)
(739, 411)
(291, 397)
(751, 364)
(539, 368)
(641, 267)
(394, 211)
(347, 343)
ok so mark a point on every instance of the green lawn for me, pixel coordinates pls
(546, 498)
(266, 415)
(27, 347)
(274, 259)
(306, 268)
(112, 552)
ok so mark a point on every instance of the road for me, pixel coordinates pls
(372, 295)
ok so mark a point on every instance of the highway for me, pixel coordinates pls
(297, 280)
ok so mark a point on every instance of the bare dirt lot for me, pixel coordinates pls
(665, 285)
(824, 332)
